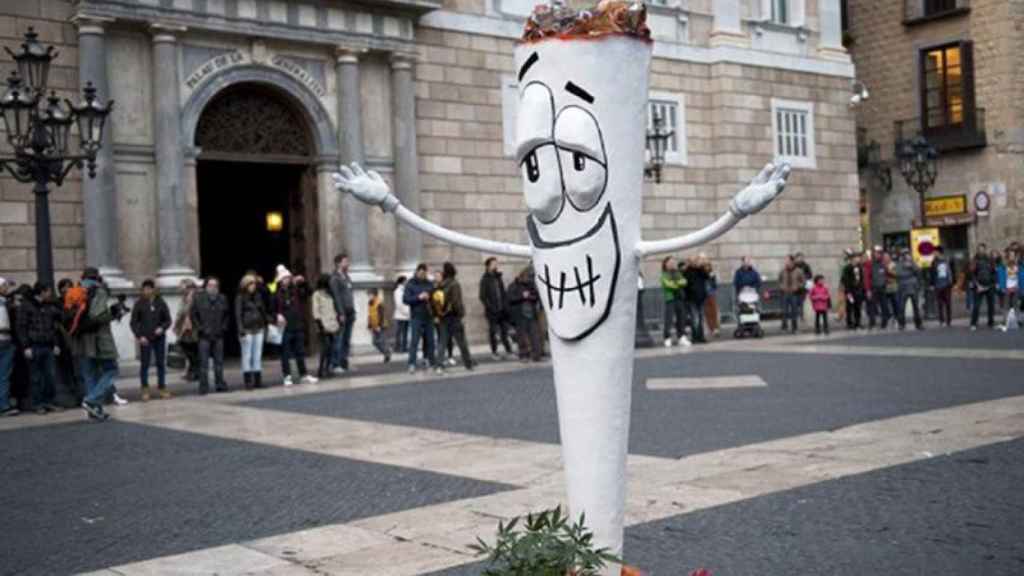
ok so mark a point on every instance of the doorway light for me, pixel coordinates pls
(275, 221)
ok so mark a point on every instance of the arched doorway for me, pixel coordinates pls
(256, 186)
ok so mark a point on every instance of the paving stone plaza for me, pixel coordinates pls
(890, 452)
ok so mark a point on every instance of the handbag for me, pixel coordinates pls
(274, 335)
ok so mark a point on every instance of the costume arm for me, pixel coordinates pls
(372, 189)
(751, 200)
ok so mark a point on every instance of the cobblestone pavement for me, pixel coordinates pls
(884, 452)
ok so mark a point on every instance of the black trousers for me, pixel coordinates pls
(901, 313)
(211, 349)
(820, 322)
(853, 310)
(530, 343)
(452, 329)
(497, 327)
(293, 344)
(990, 301)
(944, 302)
(675, 315)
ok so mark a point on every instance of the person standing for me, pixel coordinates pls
(401, 317)
(345, 308)
(290, 310)
(696, 293)
(252, 318)
(1001, 275)
(877, 300)
(711, 313)
(6, 352)
(673, 286)
(150, 320)
(791, 283)
(493, 297)
(94, 343)
(942, 278)
(37, 332)
(417, 296)
(907, 275)
(524, 304)
(188, 338)
(805, 268)
(983, 279)
(377, 324)
(452, 312)
(210, 319)
(1012, 280)
(853, 290)
(327, 326)
(746, 276)
(821, 302)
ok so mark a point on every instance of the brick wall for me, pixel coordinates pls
(17, 215)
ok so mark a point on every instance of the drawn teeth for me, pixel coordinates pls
(585, 289)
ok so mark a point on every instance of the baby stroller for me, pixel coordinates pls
(748, 317)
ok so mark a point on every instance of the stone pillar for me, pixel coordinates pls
(355, 215)
(169, 158)
(830, 24)
(99, 194)
(329, 214)
(406, 180)
(727, 29)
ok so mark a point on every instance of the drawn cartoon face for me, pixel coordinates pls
(580, 148)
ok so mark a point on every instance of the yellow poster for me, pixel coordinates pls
(945, 206)
(923, 242)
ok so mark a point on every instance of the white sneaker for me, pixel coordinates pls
(288, 381)
(685, 342)
(119, 401)
(668, 342)
(338, 371)
(310, 379)
(412, 368)
(452, 362)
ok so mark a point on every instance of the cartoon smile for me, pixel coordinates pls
(576, 278)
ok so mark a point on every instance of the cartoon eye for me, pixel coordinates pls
(581, 150)
(542, 179)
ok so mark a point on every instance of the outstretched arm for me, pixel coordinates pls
(371, 188)
(751, 200)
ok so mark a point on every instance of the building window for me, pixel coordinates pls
(780, 11)
(935, 7)
(671, 110)
(793, 132)
(947, 85)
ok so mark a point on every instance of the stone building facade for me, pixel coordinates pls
(957, 64)
(231, 115)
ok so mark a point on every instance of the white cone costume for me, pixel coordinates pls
(581, 142)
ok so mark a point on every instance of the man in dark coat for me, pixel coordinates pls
(453, 311)
(855, 289)
(37, 333)
(417, 297)
(151, 318)
(524, 302)
(983, 276)
(492, 296)
(345, 307)
(210, 319)
(696, 275)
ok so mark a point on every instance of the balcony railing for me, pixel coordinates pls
(916, 11)
(963, 136)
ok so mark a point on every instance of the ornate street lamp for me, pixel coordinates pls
(657, 143)
(40, 135)
(919, 166)
(879, 168)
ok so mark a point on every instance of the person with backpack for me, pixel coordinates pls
(290, 312)
(326, 317)
(210, 319)
(377, 324)
(452, 312)
(6, 352)
(90, 314)
(417, 296)
(524, 303)
(251, 318)
(495, 301)
(672, 288)
(983, 280)
(151, 318)
(942, 279)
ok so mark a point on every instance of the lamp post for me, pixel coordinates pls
(657, 143)
(919, 166)
(39, 129)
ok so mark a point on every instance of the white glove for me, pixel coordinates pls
(369, 187)
(761, 191)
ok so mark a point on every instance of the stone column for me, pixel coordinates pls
(830, 25)
(99, 194)
(169, 157)
(406, 180)
(355, 216)
(727, 29)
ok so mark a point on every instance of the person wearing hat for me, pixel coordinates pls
(95, 346)
(6, 352)
(252, 318)
(290, 314)
(210, 319)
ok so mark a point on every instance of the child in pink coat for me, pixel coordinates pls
(821, 301)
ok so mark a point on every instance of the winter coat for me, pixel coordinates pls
(983, 272)
(791, 280)
(210, 316)
(744, 277)
(37, 323)
(492, 294)
(878, 275)
(341, 292)
(97, 340)
(290, 303)
(853, 279)
(149, 315)
(942, 273)
(906, 275)
(453, 305)
(183, 327)
(672, 285)
(401, 308)
(418, 309)
(375, 320)
(892, 282)
(251, 314)
(821, 301)
(523, 299)
(324, 312)
(696, 284)
(808, 274)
